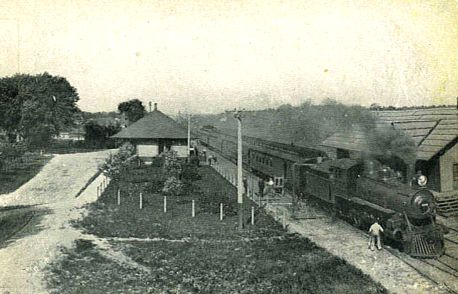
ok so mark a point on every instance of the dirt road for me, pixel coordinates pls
(54, 189)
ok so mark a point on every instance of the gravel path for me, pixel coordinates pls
(54, 188)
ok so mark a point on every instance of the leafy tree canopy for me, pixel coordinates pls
(97, 134)
(132, 109)
(36, 107)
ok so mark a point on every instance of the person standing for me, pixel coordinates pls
(261, 186)
(204, 154)
(245, 185)
(374, 232)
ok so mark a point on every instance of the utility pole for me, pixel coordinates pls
(238, 116)
(189, 135)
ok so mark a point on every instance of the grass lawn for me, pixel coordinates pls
(195, 255)
(12, 179)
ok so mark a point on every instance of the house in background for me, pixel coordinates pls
(75, 134)
(434, 131)
(154, 134)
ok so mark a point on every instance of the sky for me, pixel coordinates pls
(211, 56)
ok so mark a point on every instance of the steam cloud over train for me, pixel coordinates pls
(359, 191)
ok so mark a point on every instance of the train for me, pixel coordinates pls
(363, 191)
(358, 190)
(265, 158)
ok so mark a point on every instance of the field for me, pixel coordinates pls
(150, 251)
(26, 168)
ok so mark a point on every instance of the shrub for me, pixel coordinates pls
(115, 163)
(172, 186)
(155, 185)
(13, 149)
(190, 173)
(171, 166)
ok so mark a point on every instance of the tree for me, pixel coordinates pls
(98, 135)
(37, 107)
(375, 106)
(115, 164)
(10, 106)
(132, 109)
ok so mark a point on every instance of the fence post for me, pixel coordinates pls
(221, 213)
(119, 196)
(252, 215)
(165, 204)
(141, 200)
(284, 219)
(193, 212)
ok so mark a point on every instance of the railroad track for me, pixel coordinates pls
(439, 271)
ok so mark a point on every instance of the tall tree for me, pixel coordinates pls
(132, 109)
(40, 105)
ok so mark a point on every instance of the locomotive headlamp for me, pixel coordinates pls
(422, 181)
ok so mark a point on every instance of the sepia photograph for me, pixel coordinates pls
(228, 146)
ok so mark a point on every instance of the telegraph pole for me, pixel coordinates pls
(189, 135)
(238, 116)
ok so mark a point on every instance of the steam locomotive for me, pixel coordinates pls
(362, 191)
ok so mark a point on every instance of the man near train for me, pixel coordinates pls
(261, 186)
(375, 230)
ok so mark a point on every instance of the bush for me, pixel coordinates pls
(190, 173)
(13, 149)
(172, 186)
(155, 186)
(171, 165)
(115, 163)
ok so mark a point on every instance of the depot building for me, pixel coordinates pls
(154, 134)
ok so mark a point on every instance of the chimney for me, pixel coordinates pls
(155, 106)
(149, 106)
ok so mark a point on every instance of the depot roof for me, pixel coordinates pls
(154, 125)
(432, 129)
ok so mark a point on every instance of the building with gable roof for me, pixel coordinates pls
(154, 134)
(435, 133)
